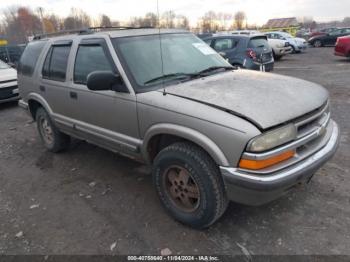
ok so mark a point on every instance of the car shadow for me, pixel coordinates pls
(8, 105)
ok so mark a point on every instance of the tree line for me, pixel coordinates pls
(20, 22)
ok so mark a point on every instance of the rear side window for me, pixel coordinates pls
(258, 42)
(55, 65)
(90, 58)
(30, 57)
(224, 44)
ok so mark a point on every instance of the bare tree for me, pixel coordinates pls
(168, 19)
(209, 22)
(150, 20)
(105, 21)
(76, 20)
(239, 19)
(182, 22)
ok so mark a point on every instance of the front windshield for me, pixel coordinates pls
(4, 65)
(181, 54)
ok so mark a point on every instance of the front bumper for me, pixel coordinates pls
(257, 66)
(9, 94)
(283, 51)
(252, 189)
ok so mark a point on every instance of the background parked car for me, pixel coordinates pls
(297, 44)
(280, 48)
(342, 47)
(8, 83)
(11, 54)
(324, 31)
(244, 51)
(329, 39)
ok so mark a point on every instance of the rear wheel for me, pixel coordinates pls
(318, 43)
(53, 139)
(277, 57)
(189, 185)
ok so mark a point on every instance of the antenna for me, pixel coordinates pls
(160, 46)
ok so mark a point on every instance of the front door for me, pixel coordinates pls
(107, 118)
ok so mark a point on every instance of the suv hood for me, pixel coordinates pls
(265, 99)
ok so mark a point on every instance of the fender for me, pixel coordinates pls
(187, 133)
(38, 98)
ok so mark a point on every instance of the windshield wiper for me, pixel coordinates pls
(214, 68)
(177, 76)
(172, 76)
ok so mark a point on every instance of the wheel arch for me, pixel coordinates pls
(35, 101)
(162, 135)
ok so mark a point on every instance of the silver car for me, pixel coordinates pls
(212, 133)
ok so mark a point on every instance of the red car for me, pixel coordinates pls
(342, 47)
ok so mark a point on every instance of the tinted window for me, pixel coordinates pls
(345, 31)
(208, 42)
(258, 42)
(30, 57)
(58, 62)
(46, 66)
(224, 44)
(90, 58)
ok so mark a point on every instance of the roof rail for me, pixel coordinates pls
(106, 28)
(63, 32)
(88, 30)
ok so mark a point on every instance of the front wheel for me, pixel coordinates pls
(189, 185)
(53, 139)
(318, 43)
(277, 57)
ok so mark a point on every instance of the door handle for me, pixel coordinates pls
(73, 95)
(42, 88)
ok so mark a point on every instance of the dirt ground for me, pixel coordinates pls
(90, 201)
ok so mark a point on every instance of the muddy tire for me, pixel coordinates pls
(189, 185)
(54, 140)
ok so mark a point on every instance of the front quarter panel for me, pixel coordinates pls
(223, 135)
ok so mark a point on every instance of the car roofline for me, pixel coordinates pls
(113, 32)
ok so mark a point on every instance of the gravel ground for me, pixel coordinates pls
(91, 201)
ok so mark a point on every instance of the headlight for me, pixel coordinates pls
(272, 139)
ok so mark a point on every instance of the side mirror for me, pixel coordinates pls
(105, 80)
(223, 54)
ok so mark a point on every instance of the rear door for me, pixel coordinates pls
(53, 81)
(226, 47)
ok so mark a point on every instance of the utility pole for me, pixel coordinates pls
(40, 10)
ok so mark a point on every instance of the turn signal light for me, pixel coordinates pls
(260, 164)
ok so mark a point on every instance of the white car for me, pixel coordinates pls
(280, 48)
(8, 83)
(297, 44)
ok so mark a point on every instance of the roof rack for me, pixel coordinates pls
(88, 30)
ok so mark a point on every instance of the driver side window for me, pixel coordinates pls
(90, 58)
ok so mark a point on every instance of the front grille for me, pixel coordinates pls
(313, 121)
(7, 92)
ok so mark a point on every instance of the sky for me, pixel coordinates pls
(257, 11)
